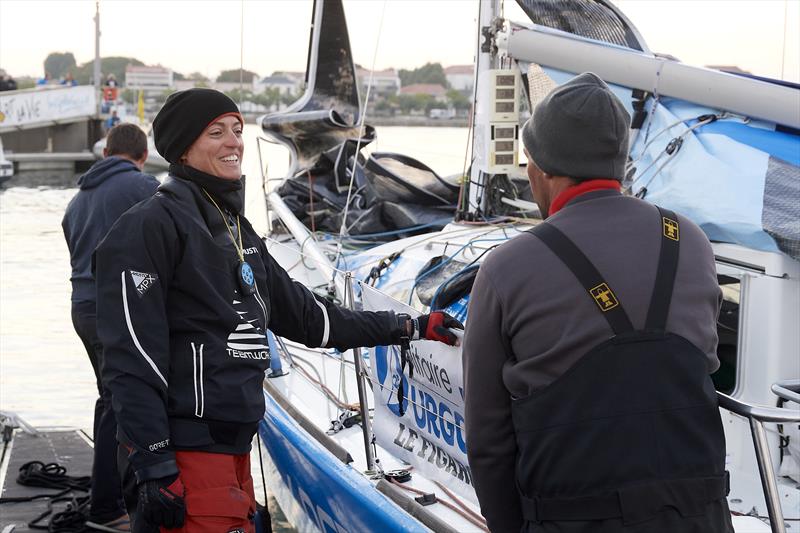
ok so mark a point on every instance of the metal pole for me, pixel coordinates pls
(366, 426)
(767, 476)
(97, 51)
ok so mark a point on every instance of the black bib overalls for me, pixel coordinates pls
(630, 438)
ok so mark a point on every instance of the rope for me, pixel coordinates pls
(267, 520)
(71, 520)
(329, 394)
(468, 517)
(422, 242)
(459, 502)
(54, 476)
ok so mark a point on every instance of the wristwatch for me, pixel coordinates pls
(404, 323)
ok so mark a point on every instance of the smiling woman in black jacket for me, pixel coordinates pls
(186, 292)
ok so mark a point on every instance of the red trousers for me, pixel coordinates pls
(219, 493)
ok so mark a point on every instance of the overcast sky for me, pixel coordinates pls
(761, 36)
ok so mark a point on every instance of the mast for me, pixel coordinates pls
(485, 60)
(97, 49)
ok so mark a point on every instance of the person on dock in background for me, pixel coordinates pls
(69, 80)
(111, 81)
(107, 190)
(45, 80)
(186, 293)
(588, 401)
(7, 83)
(112, 120)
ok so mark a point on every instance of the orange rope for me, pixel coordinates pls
(447, 504)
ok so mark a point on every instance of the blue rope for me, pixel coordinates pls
(397, 231)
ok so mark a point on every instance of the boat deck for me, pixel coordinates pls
(70, 448)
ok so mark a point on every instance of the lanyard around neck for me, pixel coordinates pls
(239, 246)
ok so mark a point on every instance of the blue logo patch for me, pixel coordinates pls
(247, 274)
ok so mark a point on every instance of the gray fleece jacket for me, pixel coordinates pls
(530, 320)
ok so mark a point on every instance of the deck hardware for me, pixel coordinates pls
(399, 476)
(426, 499)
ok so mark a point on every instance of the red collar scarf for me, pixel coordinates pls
(583, 187)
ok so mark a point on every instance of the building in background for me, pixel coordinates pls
(385, 82)
(151, 80)
(460, 77)
(285, 82)
(435, 90)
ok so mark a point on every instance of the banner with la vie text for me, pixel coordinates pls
(21, 108)
(426, 429)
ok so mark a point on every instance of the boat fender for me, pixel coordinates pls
(426, 499)
(398, 476)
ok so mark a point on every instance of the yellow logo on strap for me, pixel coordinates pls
(604, 297)
(671, 230)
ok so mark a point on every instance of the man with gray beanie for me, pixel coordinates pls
(590, 340)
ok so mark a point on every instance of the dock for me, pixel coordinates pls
(70, 448)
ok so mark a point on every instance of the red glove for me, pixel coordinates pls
(436, 326)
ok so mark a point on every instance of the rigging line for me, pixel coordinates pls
(241, 54)
(447, 504)
(451, 233)
(354, 407)
(327, 392)
(688, 130)
(458, 501)
(360, 133)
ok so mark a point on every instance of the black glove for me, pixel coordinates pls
(436, 327)
(161, 501)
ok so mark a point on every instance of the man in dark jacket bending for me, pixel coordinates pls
(590, 340)
(111, 187)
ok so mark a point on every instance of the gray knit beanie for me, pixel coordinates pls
(579, 130)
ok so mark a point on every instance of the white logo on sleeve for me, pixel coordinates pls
(143, 281)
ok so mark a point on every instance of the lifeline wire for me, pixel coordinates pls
(679, 138)
(360, 133)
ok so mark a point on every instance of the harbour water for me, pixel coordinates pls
(45, 375)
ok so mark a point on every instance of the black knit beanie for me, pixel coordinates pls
(184, 116)
(579, 130)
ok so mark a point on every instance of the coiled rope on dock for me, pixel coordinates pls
(54, 476)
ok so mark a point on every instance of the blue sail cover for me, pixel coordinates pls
(738, 179)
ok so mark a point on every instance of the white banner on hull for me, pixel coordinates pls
(426, 430)
(22, 108)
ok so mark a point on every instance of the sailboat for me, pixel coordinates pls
(344, 451)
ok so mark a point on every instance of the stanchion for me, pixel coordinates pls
(366, 425)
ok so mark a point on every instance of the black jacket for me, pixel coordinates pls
(184, 351)
(107, 190)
